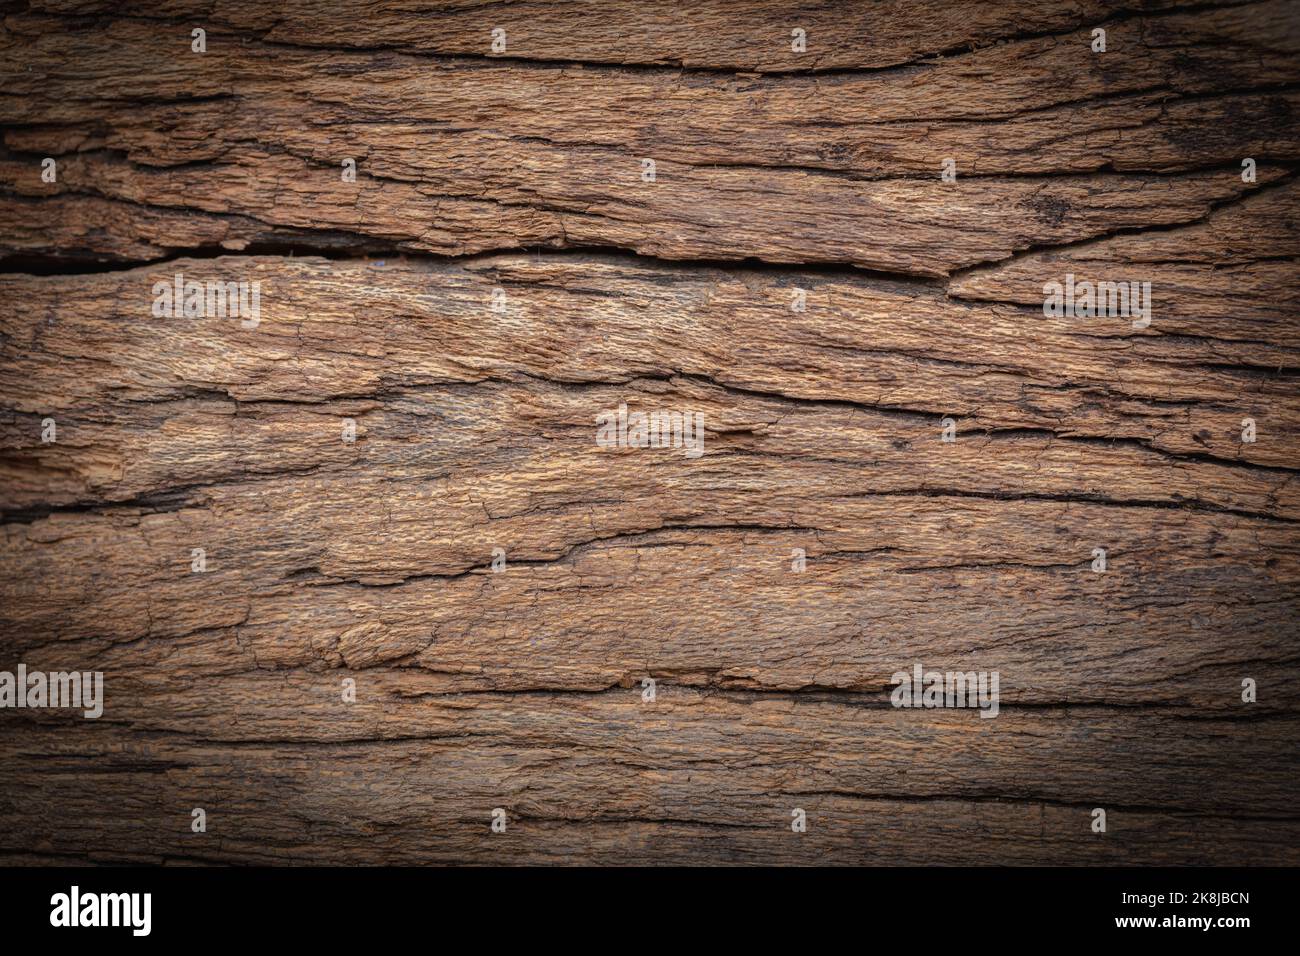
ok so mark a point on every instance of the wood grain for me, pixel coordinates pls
(776, 174)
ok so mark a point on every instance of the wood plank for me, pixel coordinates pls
(712, 34)
(498, 277)
(456, 158)
(400, 777)
(477, 430)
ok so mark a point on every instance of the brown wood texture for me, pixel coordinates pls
(775, 173)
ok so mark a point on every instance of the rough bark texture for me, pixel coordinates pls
(775, 173)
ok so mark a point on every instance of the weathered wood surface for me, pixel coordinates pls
(775, 172)
(462, 156)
